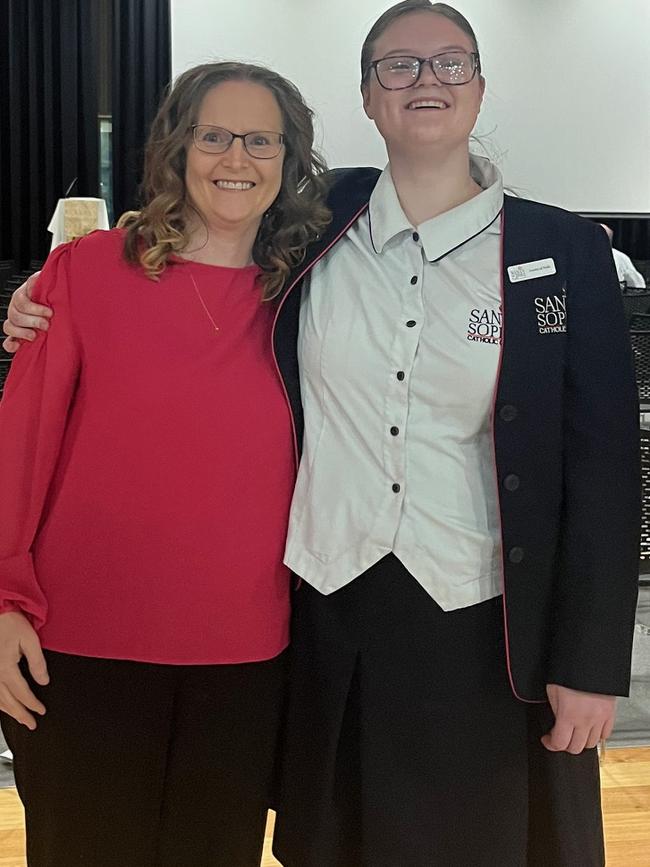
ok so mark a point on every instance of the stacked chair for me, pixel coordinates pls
(644, 555)
(637, 302)
(639, 323)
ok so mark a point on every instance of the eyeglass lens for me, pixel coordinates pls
(397, 73)
(216, 140)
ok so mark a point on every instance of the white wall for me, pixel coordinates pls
(567, 106)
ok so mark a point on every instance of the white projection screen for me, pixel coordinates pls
(567, 107)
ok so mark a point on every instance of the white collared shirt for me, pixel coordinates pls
(626, 270)
(399, 348)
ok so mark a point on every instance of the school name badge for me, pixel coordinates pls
(551, 314)
(550, 309)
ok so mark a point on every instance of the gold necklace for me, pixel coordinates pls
(203, 304)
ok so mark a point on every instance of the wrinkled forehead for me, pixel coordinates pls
(421, 33)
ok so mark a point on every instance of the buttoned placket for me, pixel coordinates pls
(398, 333)
(408, 328)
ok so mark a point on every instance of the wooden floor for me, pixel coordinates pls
(626, 800)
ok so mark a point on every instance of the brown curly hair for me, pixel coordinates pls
(298, 214)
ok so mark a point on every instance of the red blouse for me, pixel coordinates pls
(146, 464)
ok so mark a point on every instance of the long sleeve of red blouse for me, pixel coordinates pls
(33, 413)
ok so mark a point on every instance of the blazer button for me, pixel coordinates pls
(516, 555)
(508, 412)
(511, 482)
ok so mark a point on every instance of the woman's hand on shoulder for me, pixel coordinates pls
(17, 639)
(24, 316)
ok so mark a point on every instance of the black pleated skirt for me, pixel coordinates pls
(405, 746)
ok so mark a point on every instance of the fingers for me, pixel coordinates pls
(16, 697)
(22, 300)
(19, 321)
(564, 737)
(608, 728)
(21, 692)
(10, 345)
(24, 315)
(16, 710)
(559, 737)
(17, 639)
(25, 289)
(582, 719)
(17, 700)
(579, 740)
(31, 648)
(25, 307)
(595, 737)
(17, 334)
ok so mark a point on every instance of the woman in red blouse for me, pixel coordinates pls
(144, 607)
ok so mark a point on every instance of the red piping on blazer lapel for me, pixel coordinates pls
(496, 472)
(304, 271)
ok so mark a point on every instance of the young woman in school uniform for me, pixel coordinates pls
(466, 516)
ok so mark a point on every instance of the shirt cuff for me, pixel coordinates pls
(19, 589)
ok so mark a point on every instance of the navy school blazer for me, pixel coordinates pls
(566, 442)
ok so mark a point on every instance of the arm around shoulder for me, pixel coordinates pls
(24, 315)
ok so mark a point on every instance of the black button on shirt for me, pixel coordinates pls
(411, 323)
(396, 488)
(400, 375)
(394, 431)
(414, 280)
(416, 237)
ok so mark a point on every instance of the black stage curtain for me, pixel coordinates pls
(48, 114)
(141, 71)
(631, 234)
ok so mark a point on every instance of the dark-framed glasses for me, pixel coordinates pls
(450, 67)
(261, 145)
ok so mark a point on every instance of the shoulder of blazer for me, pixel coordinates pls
(348, 194)
(526, 215)
(349, 189)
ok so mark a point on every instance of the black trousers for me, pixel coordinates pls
(405, 745)
(142, 765)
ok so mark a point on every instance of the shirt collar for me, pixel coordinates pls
(443, 233)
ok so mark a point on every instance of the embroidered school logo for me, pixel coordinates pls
(551, 313)
(485, 326)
